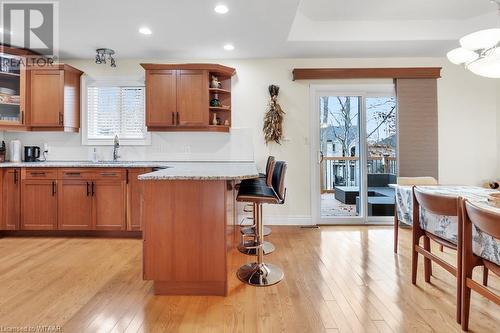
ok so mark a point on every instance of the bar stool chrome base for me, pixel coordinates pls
(250, 247)
(260, 275)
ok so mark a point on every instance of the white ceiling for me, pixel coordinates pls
(190, 29)
(326, 10)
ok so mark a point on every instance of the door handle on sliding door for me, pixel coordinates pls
(320, 156)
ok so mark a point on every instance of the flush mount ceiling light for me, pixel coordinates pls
(221, 9)
(479, 51)
(104, 55)
(145, 31)
(229, 47)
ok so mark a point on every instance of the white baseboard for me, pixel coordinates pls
(298, 220)
(284, 220)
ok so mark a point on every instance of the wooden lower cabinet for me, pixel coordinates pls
(71, 199)
(39, 205)
(75, 205)
(135, 190)
(109, 204)
(11, 198)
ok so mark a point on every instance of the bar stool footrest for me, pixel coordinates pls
(260, 275)
(250, 248)
(250, 231)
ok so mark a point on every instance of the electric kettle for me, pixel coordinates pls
(31, 153)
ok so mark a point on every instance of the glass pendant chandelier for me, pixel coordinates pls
(479, 51)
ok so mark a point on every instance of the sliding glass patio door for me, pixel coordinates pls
(354, 154)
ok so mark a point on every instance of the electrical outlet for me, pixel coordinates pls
(187, 149)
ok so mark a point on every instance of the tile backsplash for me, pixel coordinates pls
(168, 146)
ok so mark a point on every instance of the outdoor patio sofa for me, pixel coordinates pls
(380, 195)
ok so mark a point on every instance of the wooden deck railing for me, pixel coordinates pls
(344, 171)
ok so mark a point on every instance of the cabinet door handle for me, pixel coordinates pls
(61, 118)
(173, 118)
(93, 188)
(108, 174)
(88, 188)
(126, 176)
(53, 188)
(15, 176)
(36, 174)
(178, 119)
(73, 174)
(22, 117)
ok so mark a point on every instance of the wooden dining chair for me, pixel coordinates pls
(487, 223)
(408, 181)
(443, 206)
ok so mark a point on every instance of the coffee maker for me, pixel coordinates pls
(31, 153)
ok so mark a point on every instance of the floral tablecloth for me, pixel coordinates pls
(446, 226)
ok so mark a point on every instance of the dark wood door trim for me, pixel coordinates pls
(366, 73)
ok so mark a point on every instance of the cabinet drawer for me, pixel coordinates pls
(39, 173)
(110, 173)
(75, 173)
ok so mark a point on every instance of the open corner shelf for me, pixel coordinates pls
(217, 108)
(219, 91)
(218, 128)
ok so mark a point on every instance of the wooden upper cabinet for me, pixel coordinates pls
(47, 97)
(178, 97)
(11, 194)
(161, 98)
(192, 98)
(54, 98)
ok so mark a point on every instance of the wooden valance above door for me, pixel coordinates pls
(366, 73)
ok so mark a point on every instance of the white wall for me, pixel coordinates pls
(468, 127)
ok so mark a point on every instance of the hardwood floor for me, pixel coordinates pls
(337, 279)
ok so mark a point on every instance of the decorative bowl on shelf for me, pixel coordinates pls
(494, 199)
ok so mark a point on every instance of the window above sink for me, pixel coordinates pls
(114, 107)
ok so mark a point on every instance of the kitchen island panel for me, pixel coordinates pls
(185, 236)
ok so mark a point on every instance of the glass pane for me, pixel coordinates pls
(10, 77)
(340, 167)
(381, 137)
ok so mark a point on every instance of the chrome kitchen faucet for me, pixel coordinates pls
(116, 146)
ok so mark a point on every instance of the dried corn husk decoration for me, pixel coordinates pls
(273, 119)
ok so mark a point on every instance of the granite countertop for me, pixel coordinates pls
(171, 171)
(204, 171)
(86, 164)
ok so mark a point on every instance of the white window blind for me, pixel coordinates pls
(115, 110)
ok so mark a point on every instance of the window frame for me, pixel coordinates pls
(88, 81)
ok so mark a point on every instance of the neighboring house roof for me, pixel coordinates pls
(390, 141)
(328, 133)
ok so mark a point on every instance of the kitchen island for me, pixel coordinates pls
(189, 222)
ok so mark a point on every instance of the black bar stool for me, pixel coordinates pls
(259, 273)
(249, 233)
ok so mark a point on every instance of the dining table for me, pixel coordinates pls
(483, 245)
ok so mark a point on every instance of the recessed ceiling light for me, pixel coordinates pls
(229, 47)
(221, 9)
(145, 31)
